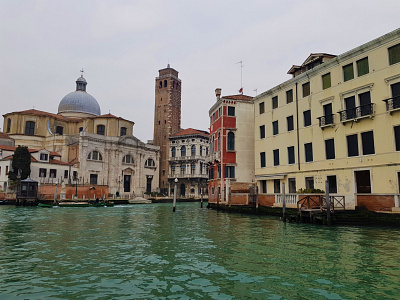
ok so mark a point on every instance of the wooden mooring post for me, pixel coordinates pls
(328, 203)
(283, 202)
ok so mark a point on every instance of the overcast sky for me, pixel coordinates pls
(122, 44)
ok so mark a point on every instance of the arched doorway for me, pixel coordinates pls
(183, 188)
(127, 177)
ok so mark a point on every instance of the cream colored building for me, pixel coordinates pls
(102, 146)
(337, 119)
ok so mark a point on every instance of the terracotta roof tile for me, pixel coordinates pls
(59, 162)
(13, 148)
(110, 116)
(4, 135)
(190, 131)
(238, 97)
(43, 113)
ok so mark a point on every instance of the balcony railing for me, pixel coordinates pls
(187, 175)
(195, 157)
(392, 104)
(358, 112)
(325, 120)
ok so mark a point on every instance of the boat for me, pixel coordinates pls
(103, 203)
(46, 205)
(74, 204)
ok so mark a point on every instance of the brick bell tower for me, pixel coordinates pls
(167, 117)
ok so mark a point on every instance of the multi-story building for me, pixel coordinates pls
(231, 161)
(102, 146)
(337, 119)
(189, 150)
(167, 117)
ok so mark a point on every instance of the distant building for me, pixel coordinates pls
(188, 151)
(6, 140)
(337, 119)
(101, 146)
(231, 161)
(167, 117)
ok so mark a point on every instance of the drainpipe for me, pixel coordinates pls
(297, 129)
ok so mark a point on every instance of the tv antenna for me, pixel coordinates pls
(241, 73)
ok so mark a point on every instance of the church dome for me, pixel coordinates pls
(79, 101)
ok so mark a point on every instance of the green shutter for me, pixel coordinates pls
(348, 72)
(394, 54)
(326, 81)
(362, 66)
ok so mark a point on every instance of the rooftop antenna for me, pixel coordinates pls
(82, 72)
(255, 90)
(241, 75)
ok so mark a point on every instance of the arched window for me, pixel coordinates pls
(193, 150)
(8, 125)
(183, 151)
(165, 83)
(231, 141)
(128, 159)
(95, 155)
(212, 145)
(160, 86)
(201, 150)
(219, 141)
(101, 129)
(150, 163)
(173, 151)
(201, 168)
(206, 151)
(30, 128)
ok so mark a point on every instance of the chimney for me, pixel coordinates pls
(218, 93)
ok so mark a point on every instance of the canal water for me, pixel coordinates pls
(148, 252)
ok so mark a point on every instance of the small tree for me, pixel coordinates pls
(21, 161)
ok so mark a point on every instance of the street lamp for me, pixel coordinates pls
(176, 182)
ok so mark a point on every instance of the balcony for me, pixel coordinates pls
(326, 120)
(359, 112)
(392, 104)
(186, 158)
(193, 176)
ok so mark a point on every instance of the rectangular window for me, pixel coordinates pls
(328, 116)
(289, 96)
(274, 102)
(326, 81)
(123, 131)
(363, 182)
(183, 170)
(365, 103)
(263, 186)
(289, 121)
(65, 173)
(231, 111)
(219, 112)
(6, 170)
(332, 184)
(276, 157)
(261, 107)
(30, 128)
(307, 118)
(348, 72)
(367, 140)
(352, 145)
(290, 151)
(292, 185)
(394, 54)
(101, 129)
(42, 172)
(53, 173)
(362, 67)
(44, 156)
(277, 186)
(219, 171)
(229, 172)
(93, 178)
(262, 131)
(309, 183)
(193, 169)
(59, 130)
(397, 137)
(309, 152)
(306, 89)
(330, 149)
(275, 128)
(262, 159)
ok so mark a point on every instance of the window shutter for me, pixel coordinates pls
(348, 72)
(362, 66)
(326, 81)
(394, 54)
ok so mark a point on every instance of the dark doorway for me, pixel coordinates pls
(148, 184)
(363, 182)
(127, 183)
(183, 190)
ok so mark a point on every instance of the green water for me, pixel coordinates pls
(148, 252)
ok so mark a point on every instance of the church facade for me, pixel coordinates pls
(101, 147)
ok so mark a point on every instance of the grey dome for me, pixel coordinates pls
(79, 101)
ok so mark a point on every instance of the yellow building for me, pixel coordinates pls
(337, 119)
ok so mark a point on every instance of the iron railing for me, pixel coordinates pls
(392, 103)
(325, 120)
(356, 112)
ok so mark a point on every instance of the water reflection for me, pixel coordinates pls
(146, 251)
